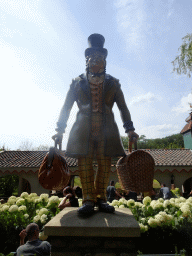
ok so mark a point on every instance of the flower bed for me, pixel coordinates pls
(167, 223)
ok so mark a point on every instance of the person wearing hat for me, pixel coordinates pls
(95, 133)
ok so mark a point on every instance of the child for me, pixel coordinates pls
(68, 194)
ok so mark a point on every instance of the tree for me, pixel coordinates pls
(28, 146)
(169, 142)
(183, 62)
(9, 184)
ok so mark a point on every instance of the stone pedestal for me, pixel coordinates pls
(101, 234)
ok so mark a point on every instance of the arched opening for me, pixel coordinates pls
(9, 185)
(25, 186)
(187, 187)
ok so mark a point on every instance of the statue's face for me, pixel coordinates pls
(96, 73)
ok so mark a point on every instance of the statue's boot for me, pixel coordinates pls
(87, 209)
(105, 207)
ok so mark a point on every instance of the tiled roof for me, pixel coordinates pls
(30, 159)
(33, 159)
(171, 157)
(187, 127)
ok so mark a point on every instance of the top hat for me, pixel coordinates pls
(96, 42)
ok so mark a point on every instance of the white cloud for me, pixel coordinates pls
(183, 105)
(130, 18)
(159, 131)
(24, 9)
(148, 97)
(31, 106)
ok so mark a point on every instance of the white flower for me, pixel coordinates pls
(130, 203)
(142, 227)
(138, 204)
(152, 222)
(160, 200)
(189, 199)
(44, 196)
(24, 195)
(166, 203)
(123, 200)
(33, 195)
(158, 205)
(186, 210)
(22, 208)
(172, 200)
(5, 208)
(30, 199)
(53, 200)
(177, 205)
(147, 200)
(11, 201)
(21, 201)
(43, 219)
(13, 208)
(36, 218)
(43, 211)
(42, 236)
(37, 200)
(116, 206)
(172, 203)
(143, 220)
(115, 202)
(122, 206)
(182, 199)
(163, 218)
(153, 202)
(26, 216)
(37, 211)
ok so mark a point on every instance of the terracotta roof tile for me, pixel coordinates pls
(30, 159)
(33, 159)
(186, 128)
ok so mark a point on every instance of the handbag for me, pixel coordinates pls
(54, 172)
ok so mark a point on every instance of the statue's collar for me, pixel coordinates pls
(85, 84)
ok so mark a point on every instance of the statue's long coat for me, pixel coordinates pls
(78, 143)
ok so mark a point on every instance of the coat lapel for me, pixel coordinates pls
(84, 85)
(108, 84)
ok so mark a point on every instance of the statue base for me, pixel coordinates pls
(101, 234)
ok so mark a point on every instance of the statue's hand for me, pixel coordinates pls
(58, 137)
(131, 135)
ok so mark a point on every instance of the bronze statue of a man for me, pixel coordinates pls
(94, 133)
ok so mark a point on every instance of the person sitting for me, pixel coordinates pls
(175, 191)
(112, 192)
(68, 194)
(131, 195)
(164, 192)
(78, 191)
(33, 246)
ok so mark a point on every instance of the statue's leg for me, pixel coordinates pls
(102, 179)
(86, 174)
(102, 176)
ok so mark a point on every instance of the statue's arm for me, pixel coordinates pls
(66, 109)
(124, 111)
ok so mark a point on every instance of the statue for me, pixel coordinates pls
(94, 133)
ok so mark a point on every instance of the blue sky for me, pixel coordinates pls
(42, 46)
